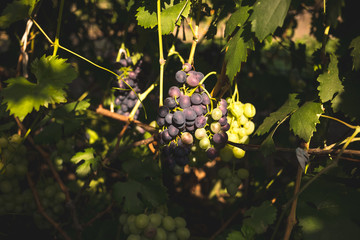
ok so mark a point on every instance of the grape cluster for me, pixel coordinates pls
(127, 98)
(63, 153)
(154, 226)
(52, 199)
(232, 180)
(13, 168)
(241, 126)
(187, 119)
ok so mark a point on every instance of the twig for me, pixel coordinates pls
(42, 211)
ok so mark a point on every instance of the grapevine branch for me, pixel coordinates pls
(161, 54)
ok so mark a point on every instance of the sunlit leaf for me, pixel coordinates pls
(86, 162)
(260, 217)
(15, 11)
(355, 52)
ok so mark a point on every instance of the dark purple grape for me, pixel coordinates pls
(196, 99)
(184, 101)
(124, 107)
(117, 101)
(160, 121)
(212, 153)
(129, 61)
(178, 118)
(219, 138)
(181, 151)
(174, 92)
(123, 62)
(205, 109)
(166, 136)
(189, 114)
(131, 103)
(223, 109)
(182, 161)
(190, 128)
(132, 95)
(132, 75)
(192, 80)
(187, 67)
(200, 122)
(198, 109)
(223, 103)
(180, 76)
(206, 99)
(170, 102)
(173, 131)
(168, 118)
(163, 111)
(223, 121)
(130, 82)
(226, 127)
(190, 123)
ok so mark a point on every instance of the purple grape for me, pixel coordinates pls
(173, 131)
(163, 111)
(200, 122)
(168, 118)
(198, 109)
(206, 99)
(199, 89)
(178, 118)
(132, 95)
(223, 109)
(166, 136)
(190, 128)
(180, 76)
(129, 61)
(123, 62)
(160, 121)
(174, 92)
(212, 153)
(190, 123)
(124, 107)
(223, 103)
(131, 103)
(219, 138)
(226, 127)
(117, 101)
(187, 67)
(196, 99)
(170, 102)
(182, 161)
(189, 114)
(192, 80)
(223, 121)
(132, 75)
(205, 110)
(187, 138)
(184, 101)
(130, 82)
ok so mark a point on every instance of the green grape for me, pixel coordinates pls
(15, 139)
(133, 237)
(122, 219)
(126, 229)
(227, 181)
(160, 234)
(242, 120)
(216, 114)
(232, 189)
(131, 219)
(204, 143)
(172, 236)
(155, 219)
(232, 137)
(168, 223)
(226, 154)
(249, 127)
(242, 132)
(133, 229)
(183, 233)
(21, 170)
(249, 110)
(141, 221)
(236, 180)
(3, 142)
(215, 127)
(180, 222)
(224, 173)
(236, 109)
(200, 133)
(243, 173)
(238, 152)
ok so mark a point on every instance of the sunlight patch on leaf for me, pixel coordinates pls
(15, 11)
(355, 53)
(86, 161)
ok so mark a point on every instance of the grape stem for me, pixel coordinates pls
(161, 55)
(201, 82)
(141, 98)
(195, 34)
(56, 42)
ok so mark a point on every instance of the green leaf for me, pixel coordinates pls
(260, 217)
(355, 53)
(267, 147)
(148, 18)
(267, 16)
(52, 74)
(303, 121)
(138, 169)
(236, 53)
(15, 11)
(49, 134)
(288, 107)
(235, 235)
(135, 195)
(330, 83)
(86, 161)
(237, 19)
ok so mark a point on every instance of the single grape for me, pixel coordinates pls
(184, 101)
(180, 222)
(220, 138)
(132, 75)
(122, 219)
(133, 237)
(169, 119)
(226, 127)
(173, 131)
(249, 110)
(168, 223)
(238, 152)
(226, 154)
(206, 99)
(192, 80)
(198, 109)
(163, 111)
(200, 133)
(196, 99)
(215, 127)
(216, 114)
(190, 114)
(160, 234)
(160, 121)
(187, 138)
(142, 221)
(155, 219)
(178, 118)
(204, 143)
(224, 173)
(249, 127)
(166, 137)
(174, 92)
(180, 76)
(212, 153)
(183, 233)
(190, 128)
(187, 67)
(200, 122)
(232, 189)
(170, 102)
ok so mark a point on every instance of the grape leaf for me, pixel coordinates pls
(267, 147)
(15, 11)
(86, 161)
(303, 121)
(330, 83)
(148, 19)
(135, 195)
(267, 16)
(49, 134)
(237, 19)
(355, 53)
(236, 53)
(138, 169)
(52, 74)
(235, 235)
(260, 217)
(288, 107)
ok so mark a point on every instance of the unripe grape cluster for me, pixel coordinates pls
(232, 180)
(63, 153)
(126, 99)
(239, 118)
(154, 226)
(190, 117)
(13, 169)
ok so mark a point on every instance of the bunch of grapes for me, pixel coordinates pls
(126, 98)
(232, 180)
(13, 168)
(52, 199)
(154, 226)
(63, 153)
(188, 118)
(241, 126)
